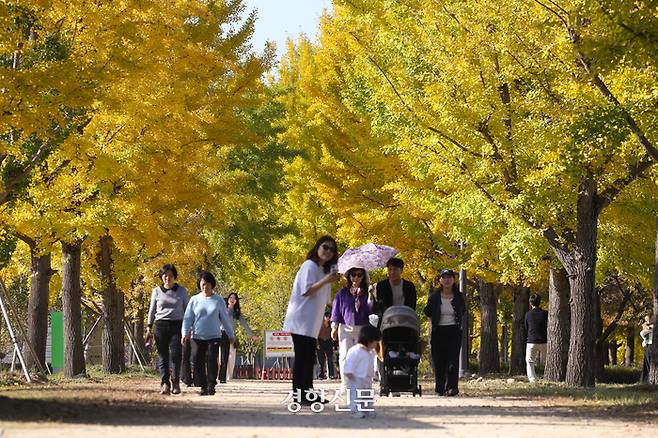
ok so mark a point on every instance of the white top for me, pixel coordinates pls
(647, 337)
(398, 295)
(360, 362)
(447, 313)
(304, 314)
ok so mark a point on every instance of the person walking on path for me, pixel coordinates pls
(311, 292)
(647, 337)
(228, 350)
(359, 369)
(446, 308)
(349, 313)
(393, 291)
(205, 318)
(536, 323)
(326, 349)
(166, 310)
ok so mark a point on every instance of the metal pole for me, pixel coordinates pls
(21, 330)
(132, 345)
(91, 331)
(17, 349)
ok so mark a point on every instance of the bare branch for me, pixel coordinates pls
(609, 195)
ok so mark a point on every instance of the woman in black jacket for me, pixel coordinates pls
(446, 309)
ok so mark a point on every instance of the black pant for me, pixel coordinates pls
(167, 339)
(446, 342)
(302, 369)
(224, 346)
(326, 355)
(204, 354)
(187, 366)
(646, 365)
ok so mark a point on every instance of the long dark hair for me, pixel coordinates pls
(236, 308)
(313, 253)
(364, 280)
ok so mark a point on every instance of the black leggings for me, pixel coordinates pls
(224, 346)
(302, 369)
(446, 342)
(204, 354)
(167, 336)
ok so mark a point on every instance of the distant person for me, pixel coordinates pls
(359, 370)
(311, 292)
(536, 323)
(326, 349)
(228, 350)
(647, 338)
(446, 308)
(349, 312)
(166, 311)
(205, 318)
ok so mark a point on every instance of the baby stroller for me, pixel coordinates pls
(401, 351)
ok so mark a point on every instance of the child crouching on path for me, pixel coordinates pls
(359, 370)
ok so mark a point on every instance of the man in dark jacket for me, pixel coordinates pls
(536, 322)
(394, 291)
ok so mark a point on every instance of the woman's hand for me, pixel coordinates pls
(334, 334)
(331, 277)
(184, 339)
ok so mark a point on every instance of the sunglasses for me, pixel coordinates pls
(328, 247)
(356, 274)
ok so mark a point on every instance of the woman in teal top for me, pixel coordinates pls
(205, 318)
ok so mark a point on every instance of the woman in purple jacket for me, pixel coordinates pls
(350, 312)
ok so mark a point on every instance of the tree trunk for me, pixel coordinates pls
(37, 311)
(519, 332)
(74, 361)
(488, 330)
(112, 352)
(629, 355)
(601, 347)
(558, 324)
(580, 263)
(653, 348)
(503, 347)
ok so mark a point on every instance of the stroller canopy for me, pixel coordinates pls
(400, 316)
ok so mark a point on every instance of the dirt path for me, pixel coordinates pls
(131, 408)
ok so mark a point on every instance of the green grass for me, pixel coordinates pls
(603, 395)
(94, 374)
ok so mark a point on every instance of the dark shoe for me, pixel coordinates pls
(211, 390)
(203, 392)
(164, 389)
(452, 392)
(222, 381)
(175, 387)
